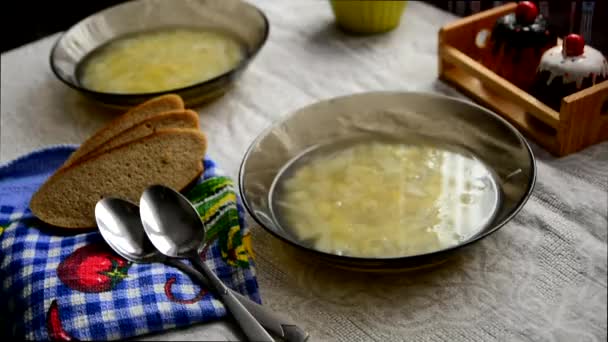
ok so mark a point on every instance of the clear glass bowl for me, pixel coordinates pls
(398, 115)
(244, 21)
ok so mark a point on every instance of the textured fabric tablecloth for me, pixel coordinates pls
(542, 277)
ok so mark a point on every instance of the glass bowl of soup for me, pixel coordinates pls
(386, 180)
(137, 50)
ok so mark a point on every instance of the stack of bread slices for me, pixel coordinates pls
(157, 142)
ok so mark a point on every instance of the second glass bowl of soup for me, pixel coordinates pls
(386, 180)
(129, 53)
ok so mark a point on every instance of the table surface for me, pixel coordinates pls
(542, 277)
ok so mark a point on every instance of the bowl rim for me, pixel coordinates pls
(354, 259)
(250, 55)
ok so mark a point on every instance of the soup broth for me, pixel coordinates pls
(160, 60)
(383, 198)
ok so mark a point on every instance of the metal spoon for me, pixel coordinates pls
(120, 225)
(175, 229)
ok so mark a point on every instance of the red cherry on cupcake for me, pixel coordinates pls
(526, 12)
(574, 45)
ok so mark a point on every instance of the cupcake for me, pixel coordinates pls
(568, 68)
(517, 43)
(367, 16)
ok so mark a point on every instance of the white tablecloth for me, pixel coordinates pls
(542, 277)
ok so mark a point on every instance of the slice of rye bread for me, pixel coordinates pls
(175, 119)
(171, 157)
(127, 120)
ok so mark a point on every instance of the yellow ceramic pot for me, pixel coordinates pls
(368, 16)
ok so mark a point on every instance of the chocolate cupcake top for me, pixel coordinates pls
(523, 29)
(574, 61)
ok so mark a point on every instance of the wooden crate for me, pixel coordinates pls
(583, 117)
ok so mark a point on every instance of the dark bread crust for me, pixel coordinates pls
(173, 119)
(129, 119)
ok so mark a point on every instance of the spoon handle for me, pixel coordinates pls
(252, 328)
(272, 321)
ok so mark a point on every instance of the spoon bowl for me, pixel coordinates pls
(170, 221)
(120, 226)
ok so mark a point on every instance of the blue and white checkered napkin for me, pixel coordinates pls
(62, 287)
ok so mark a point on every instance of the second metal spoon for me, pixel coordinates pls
(176, 230)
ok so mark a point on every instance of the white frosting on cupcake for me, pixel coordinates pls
(573, 69)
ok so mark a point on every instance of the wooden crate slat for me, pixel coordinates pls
(497, 83)
(583, 122)
(473, 88)
(453, 33)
